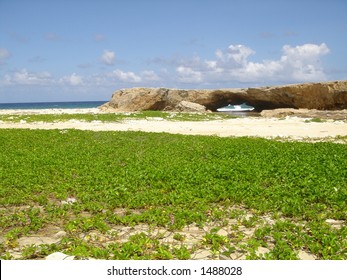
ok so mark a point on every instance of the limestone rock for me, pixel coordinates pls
(136, 99)
(36, 240)
(60, 234)
(305, 113)
(186, 106)
(305, 256)
(69, 200)
(335, 223)
(321, 96)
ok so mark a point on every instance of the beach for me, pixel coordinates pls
(72, 192)
(289, 127)
(50, 111)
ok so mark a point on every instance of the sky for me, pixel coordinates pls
(84, 50)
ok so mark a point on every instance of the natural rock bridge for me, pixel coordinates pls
(322, 96)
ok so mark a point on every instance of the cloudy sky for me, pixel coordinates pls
(72, 50)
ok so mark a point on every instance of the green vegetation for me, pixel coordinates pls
(317, 120)
(126, 179)
(114, 117)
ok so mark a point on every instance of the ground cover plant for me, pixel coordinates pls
(235, 195)
(113, 117)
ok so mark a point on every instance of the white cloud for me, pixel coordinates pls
(108, 57)
(307, 51)
(303, 62)
(128, 77)
(125, 78)
(149, 76)
(189, 75)
(296, 64)
(229, 66)
(24, 77)
(73, 80)
(108, 79)
(235, 56)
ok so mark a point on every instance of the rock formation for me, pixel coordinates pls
(186, 106)
(305, 113)
(321, 96)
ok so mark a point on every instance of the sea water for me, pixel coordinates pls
(242, 114)
(52, 105)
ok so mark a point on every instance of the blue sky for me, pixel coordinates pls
(65, 50)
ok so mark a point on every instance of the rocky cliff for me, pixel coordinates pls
(322, 96)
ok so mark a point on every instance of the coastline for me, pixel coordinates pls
(50, 111)
(292, 127)
(63, 153)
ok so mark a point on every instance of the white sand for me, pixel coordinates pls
(293, 127)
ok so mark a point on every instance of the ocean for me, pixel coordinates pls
(52, 105)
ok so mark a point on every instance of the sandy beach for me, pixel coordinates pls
(289, 127)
